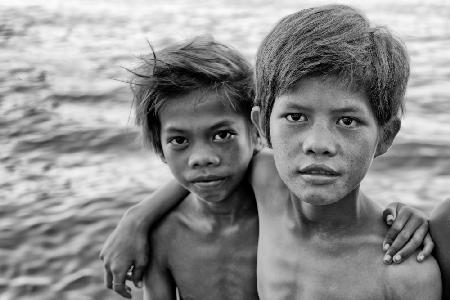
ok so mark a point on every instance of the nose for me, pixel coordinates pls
(203, 156)
(319, 140)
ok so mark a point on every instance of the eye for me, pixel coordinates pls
(296, 117)
(223, 135)
(347, 122)
(178, 141)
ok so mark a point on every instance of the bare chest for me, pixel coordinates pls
(218, 265)
(290, 268)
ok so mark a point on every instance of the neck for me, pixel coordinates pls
(342, 214)
(238, 203)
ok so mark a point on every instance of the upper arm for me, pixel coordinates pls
(158, 281)
(415, 281)
(262, 171)
(440, 232)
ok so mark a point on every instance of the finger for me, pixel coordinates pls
(390, 213)
(138, 276)
(122, 289)
(401, 239)
(428, 246)
(118, 281)
(139, 268)
(395, 229)
(108, 278)
(411, 246)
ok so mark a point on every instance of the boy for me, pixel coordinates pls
(193, 102)
(268, 183)
(329, 90)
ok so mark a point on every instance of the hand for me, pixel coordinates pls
(125, 255)
(408, 232)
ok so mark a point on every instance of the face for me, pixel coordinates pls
(324, 138)
(206, 145)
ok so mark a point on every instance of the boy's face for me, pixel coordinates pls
(206, 144)
(324, 138)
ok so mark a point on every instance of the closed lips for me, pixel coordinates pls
(318, 170)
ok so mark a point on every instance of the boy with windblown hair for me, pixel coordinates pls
(193, 102)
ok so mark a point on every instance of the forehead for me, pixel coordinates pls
(325, 94)
(197, 109)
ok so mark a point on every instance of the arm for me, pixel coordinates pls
(127, 245)
(440, 230)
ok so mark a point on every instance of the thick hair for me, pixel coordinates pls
(337, 42)
(200, 63)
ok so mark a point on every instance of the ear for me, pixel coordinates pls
(257, 121)
(386, 136)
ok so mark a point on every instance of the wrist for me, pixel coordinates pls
(136, 218)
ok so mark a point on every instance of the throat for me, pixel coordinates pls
(339, 216)
(238, 203)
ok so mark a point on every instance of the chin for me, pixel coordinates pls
(317, 198)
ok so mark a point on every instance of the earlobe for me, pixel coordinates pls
(387, 134)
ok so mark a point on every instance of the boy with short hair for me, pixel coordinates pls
(193, 102)
(274, 205)
(329, 93)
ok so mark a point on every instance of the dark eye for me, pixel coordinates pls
(178, 141)
(347, 122)
(296, 117)
(223, 135)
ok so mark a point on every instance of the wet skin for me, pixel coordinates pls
(207, 245)
(327, 234)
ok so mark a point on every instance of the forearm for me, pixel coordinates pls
(148, 211)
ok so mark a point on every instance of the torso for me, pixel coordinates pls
(211, 258)
(295, 265)
(313, 268)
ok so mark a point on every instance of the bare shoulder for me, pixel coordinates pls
(440, 218)
(413, 280)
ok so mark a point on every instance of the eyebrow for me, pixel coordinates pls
(345, 109)
(226, 123)
(349, 109)
(176, 129)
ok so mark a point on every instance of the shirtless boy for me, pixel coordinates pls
(329, 92)
(289, 270)
(193, 102)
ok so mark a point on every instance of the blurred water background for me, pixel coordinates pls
(70, 159)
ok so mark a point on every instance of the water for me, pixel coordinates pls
(70, 159)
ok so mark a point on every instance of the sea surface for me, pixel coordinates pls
(70, 157)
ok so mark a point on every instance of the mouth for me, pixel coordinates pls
(319, 174)
(208, 181)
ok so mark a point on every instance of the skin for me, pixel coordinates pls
(322, 216)
(211, 252)
(440, 231)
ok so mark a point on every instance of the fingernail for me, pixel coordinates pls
(387, 258)
(390, 219)
(397, 258)
(139, 284)
(420, 257)
(386, 247)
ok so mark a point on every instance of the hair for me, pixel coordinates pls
(336, 42)
(199, 64)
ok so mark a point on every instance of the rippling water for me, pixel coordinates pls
(70, 159)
